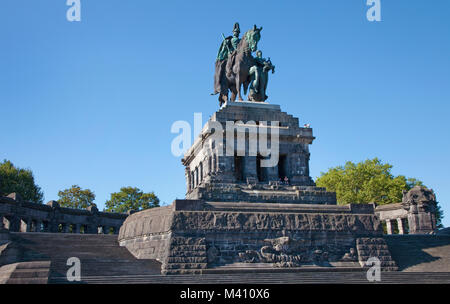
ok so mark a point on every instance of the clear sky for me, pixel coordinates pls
(92, 102)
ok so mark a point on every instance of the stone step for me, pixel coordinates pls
(30, 273)
(25, 273)
(27, 281)
(429, 253)
(273, 278)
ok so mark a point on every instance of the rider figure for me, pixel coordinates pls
(229, 44)
(235, 40)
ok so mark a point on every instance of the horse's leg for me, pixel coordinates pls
(233, 94)
(232, 88)
(238, 87)
(223, 98)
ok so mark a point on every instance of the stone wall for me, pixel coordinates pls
(21, 216)
(146, 234)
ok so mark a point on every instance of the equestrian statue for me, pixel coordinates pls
(236, 67)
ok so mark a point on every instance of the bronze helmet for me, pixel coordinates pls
(236, 28)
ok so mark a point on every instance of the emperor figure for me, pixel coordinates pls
(228, 46)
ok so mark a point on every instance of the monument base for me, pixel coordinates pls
(258, 192)
(195, 236)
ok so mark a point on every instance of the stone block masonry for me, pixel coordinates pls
(192, 236)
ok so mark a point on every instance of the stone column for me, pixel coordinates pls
(29, 222)
(46, 226)
(196, 177)
(272, 173)
(188, 179)
(200, 172)
(23, 225)
(2, 226)
(92, 229)
(250, 168)
(38, 225)
(15, 223)
(214, 163)
(388, 226)
(66, 228)
(400, 226)
(77, 228)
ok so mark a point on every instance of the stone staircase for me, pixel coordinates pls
(307, 277)
(186, 255)
(375, 247)
(42, 257)
(100, 255)
(25, 273)
(420, 253)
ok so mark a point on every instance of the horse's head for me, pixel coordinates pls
(252, 37)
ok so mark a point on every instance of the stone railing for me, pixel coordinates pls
(17, 215)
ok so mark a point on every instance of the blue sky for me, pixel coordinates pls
(92, 102)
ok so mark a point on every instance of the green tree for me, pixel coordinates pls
(75, 197)
(130, 198)
(370, 181)
(21, 181)
(439, 216)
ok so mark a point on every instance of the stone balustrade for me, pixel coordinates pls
(18, 215)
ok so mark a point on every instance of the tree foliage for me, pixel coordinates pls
(366, 182)
(75, 197)
(370, 181)
(130, 198)
(21, 181)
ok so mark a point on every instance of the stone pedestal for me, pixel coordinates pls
(235, 137)
(193, 236)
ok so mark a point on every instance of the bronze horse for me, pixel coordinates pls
(238, 65)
